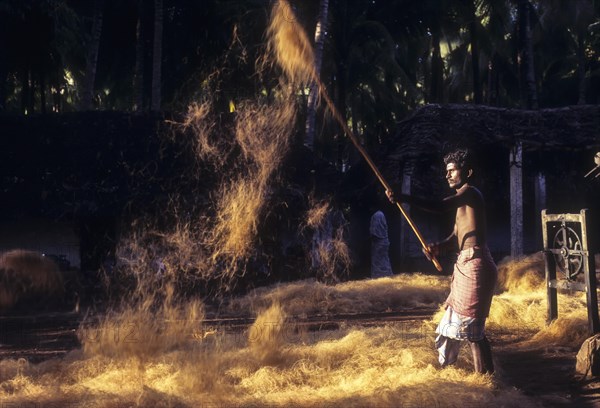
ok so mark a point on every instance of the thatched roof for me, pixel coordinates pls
(432, 129)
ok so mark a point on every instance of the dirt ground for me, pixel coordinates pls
(547, 374)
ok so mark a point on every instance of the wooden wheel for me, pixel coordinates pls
(570, 259)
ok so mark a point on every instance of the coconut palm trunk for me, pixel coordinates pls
(583, 16)
(581, 69)
(3, 80)
(311, 108)
(92, 57)
(157, 56)
(138, 75)
(436, 92)
(42, 84)
(477, 94)
(529, 98)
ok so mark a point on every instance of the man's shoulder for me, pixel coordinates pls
(471, 192)
(471, 188)
(467, 189)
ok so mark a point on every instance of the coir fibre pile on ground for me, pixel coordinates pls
(171, 359)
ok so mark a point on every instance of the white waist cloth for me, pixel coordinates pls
(454, 329)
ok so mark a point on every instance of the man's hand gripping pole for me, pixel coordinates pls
(424, 245)
(338, 117)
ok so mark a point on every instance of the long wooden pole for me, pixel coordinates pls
(338, 117)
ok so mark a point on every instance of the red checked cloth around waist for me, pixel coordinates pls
(473, 282)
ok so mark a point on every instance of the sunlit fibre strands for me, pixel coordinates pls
(290, 44)
(173, 358)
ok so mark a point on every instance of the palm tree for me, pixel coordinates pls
(525, 60)
(138, 73)
(496, 51)
(478, 51)
(33, 39)
(320, 34)
(87, 94)
(157, 55)
(4, 23)
(367, 81)
(474, 42)
(570, 20)
(436, 89)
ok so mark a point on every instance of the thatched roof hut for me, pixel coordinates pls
(435, 128)
(528, 160)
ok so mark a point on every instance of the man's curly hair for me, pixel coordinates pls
(461, 157)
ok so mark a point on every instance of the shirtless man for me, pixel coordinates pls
(475, 274)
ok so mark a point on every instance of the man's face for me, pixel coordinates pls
(455, 175)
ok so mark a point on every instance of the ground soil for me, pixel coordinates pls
(547, 374)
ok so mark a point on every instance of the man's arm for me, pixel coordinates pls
(444, 246)
(436, 206)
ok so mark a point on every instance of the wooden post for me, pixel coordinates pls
(590, 276)
(516, 200)
(540, 204)
(406, 233)
(550, 265)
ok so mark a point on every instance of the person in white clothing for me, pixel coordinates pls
(380, 246)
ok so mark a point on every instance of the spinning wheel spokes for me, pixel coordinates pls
(570, 259)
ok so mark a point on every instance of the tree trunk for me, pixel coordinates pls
(340, 102)
(490, 82)
(138, 74)
(56, 100)
(311, 110)
(436, 93)
(25, 91)
(31, 96)
(581, 69)
(157, 55)
(3, 80)
(529, 99)
(42, 92)
(475, 54)
(91, 63)
(339, 81)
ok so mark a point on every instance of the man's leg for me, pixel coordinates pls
(448, 341)
(482, 356)
(447, 350)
